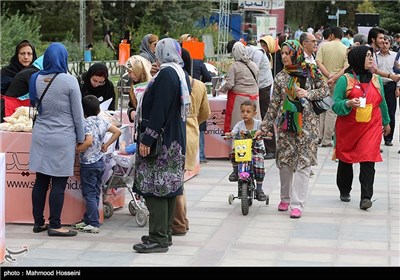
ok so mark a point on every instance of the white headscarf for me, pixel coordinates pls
(239, 53)
(168, 54)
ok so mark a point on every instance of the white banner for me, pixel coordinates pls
(266, 26)
(364, 30)
(262, 5)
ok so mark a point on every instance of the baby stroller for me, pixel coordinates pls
(122, 177)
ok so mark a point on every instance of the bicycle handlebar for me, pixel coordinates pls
(235, 138)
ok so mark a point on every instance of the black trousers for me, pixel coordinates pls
(344, 178)
(264, 100)
(390, 97)
(56, 199)
(161, 217)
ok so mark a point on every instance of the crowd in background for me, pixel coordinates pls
(280, 76)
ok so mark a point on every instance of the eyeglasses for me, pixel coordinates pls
(369, 55)
(96, 82)
(26, 53)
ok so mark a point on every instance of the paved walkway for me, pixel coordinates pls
(330, 233)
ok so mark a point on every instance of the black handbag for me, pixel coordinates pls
(322, 105)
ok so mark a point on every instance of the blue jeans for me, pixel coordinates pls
(91, 181)
(201, 138)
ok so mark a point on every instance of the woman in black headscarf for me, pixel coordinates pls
(24, 56)
(362, 116)
(95, 81)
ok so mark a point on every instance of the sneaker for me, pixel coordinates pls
(260, 196)
(233, 177)
(295, 213)
(283, 206)
(90, 229)
(79, 225)
(365, 203)
(345, 197)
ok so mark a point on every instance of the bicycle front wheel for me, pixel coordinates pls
(245, 198)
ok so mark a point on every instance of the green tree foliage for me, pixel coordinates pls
(389, 17)
(14, 29)
(57, 18)
(178, 17)
(366, 7)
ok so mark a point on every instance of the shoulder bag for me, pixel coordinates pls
(321, 105)
(35, 112)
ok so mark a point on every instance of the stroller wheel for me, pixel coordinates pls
(108, 209)
(141, 217)
(132, 208)
(231, 198)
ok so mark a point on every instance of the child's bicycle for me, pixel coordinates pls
(246, 181)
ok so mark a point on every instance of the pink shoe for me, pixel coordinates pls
(295, 213)
(283, 206)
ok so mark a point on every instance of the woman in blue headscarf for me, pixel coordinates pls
(163, 109)
(58, 128)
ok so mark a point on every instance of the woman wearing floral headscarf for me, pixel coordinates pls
(240, 84)
(297, 125)
(362, 116)
(163, 109)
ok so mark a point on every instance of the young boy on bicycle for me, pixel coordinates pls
(245, 129)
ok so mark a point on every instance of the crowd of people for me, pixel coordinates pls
(270, 91)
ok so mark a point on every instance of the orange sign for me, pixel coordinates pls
(124, 53)
(196, 49)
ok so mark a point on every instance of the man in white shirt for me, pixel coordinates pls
(386, 59)
(309, 44)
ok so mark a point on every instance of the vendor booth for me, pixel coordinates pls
(19, 183)
(215, 145)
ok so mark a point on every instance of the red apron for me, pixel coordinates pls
(360, 141)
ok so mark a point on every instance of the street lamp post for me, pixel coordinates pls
(82, 25)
